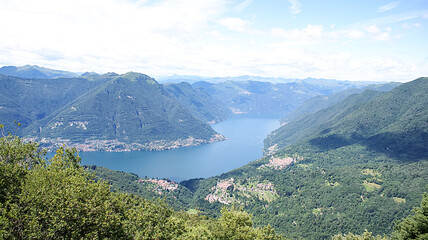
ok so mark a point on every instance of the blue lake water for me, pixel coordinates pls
(244, 144)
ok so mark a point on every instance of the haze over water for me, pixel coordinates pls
(244, 144)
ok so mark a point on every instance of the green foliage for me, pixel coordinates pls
(16, 160)
(58, 199)
(232, 224)
(179, 199)
(414, 226)
(365, 236)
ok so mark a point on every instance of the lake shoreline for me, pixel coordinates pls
(244, 144)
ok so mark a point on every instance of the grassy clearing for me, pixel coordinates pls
(399, 200)
(370, 187)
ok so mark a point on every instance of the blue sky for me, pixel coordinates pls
(341, 39)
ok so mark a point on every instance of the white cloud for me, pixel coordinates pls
(385, 36)
(295, 7)
(355, 64)
(388, 6)
(242, 5)
(411, 25)
(372, 29)
(103, 35)
(234, 24)
(309, 34)
(354, 34)
(184, 37)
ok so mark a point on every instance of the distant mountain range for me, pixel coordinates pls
(35, 72)
(132, 111)
(255, 98)
(193, 78)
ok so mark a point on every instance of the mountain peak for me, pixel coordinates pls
(138, 77)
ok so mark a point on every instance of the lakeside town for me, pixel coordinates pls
(51, 144)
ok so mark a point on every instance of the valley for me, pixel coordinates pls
(343, 170)
(214, 120)
(308, 159)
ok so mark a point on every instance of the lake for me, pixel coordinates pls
(244, 144)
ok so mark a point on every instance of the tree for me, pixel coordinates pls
(16, 160)
(415, 226)
(58, 199)
(237, 224)
(365, 236)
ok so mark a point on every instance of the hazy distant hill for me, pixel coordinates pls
(132, 109)
(34, 71)
(323, 101)
(257, 98)
(316, 81)
(361, 164)
(199, 102)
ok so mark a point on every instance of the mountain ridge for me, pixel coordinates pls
(152, 120)
(36, 72)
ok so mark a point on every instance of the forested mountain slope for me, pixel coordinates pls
(130, 111)
(361, 167)
(175, 195)
(304, 127)
(29, 100)
(200, 103)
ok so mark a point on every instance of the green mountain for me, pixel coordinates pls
(303, 128)
(36, 72)
(29, 100)
(127, 112)
(362, 166)
(255, 98)
(198, 102)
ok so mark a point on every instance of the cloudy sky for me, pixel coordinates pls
(340, 39)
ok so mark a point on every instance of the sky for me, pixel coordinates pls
(364, 40)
